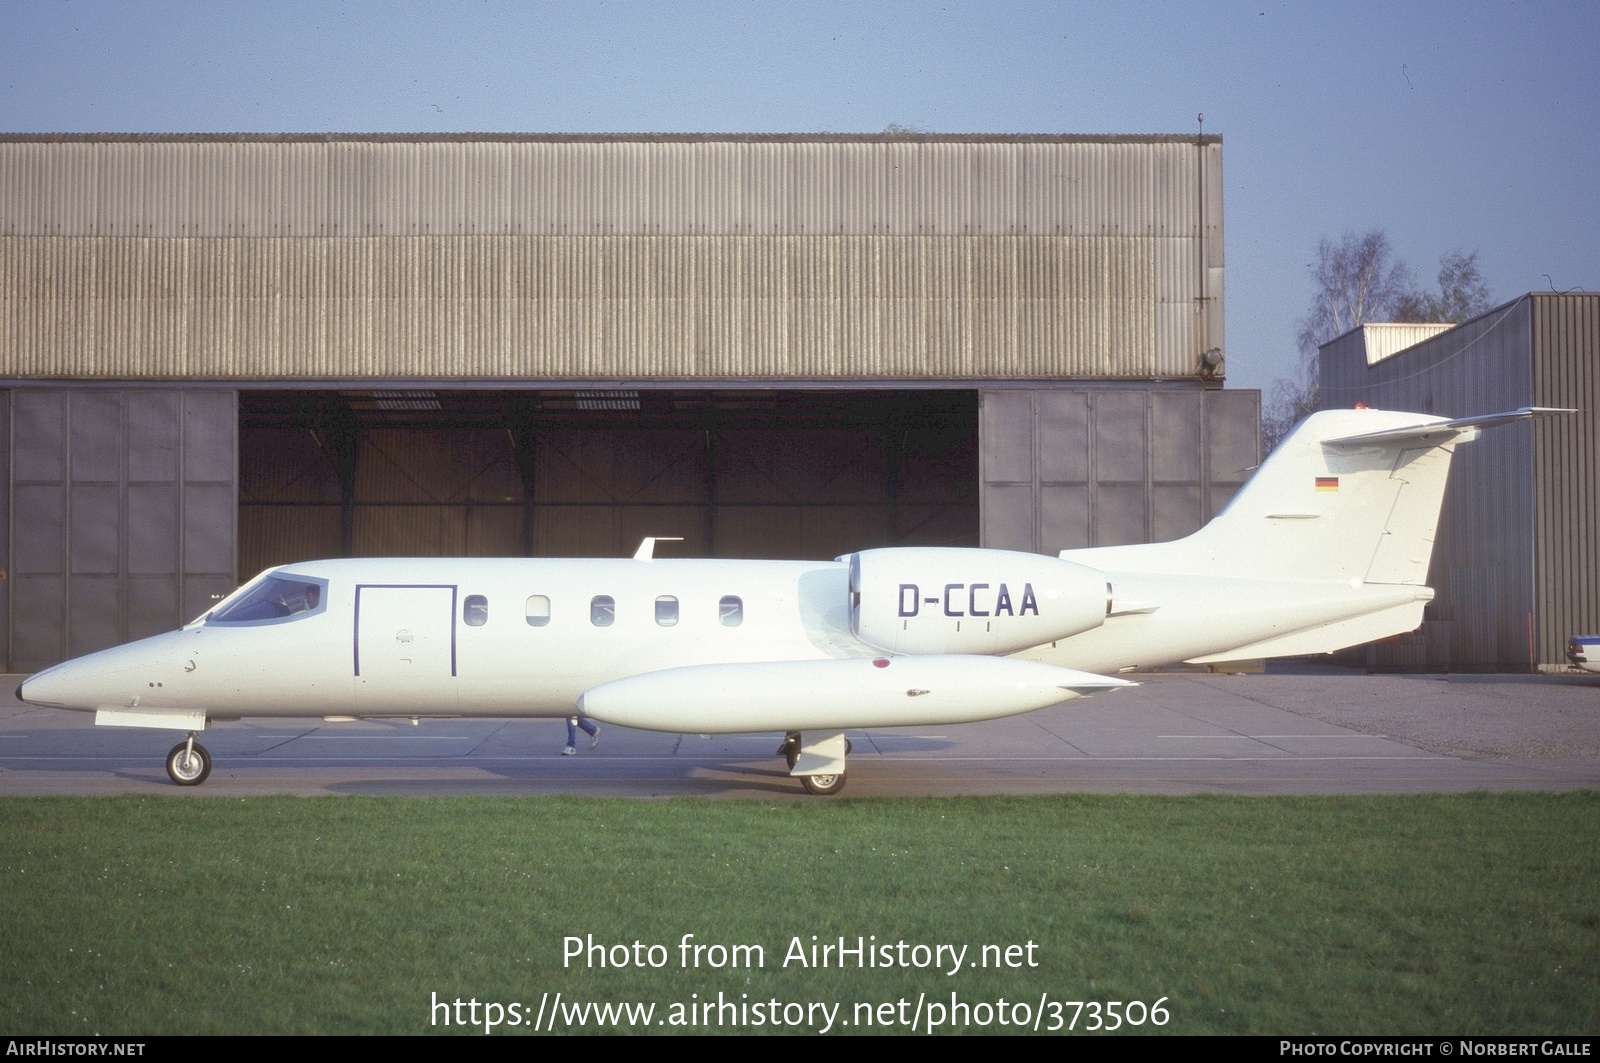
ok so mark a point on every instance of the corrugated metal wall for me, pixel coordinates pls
(1515, 565)
(1384, 339)
(5, 531)
(677, 185)
(610, 258)
(1566, 373)
(1068, 467)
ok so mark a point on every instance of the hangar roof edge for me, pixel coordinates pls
(601, 138)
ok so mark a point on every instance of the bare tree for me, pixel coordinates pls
(1291, 400)
(1357, 280)
(1462, 294)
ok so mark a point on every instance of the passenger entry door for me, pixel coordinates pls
(405, 650)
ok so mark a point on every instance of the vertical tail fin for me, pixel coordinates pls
(1349, 495)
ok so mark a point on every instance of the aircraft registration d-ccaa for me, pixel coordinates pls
(1327, 546)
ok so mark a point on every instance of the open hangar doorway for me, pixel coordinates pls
(759, 473)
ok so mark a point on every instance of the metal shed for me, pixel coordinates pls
(1517, 563)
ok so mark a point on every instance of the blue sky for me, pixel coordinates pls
(1462, 124)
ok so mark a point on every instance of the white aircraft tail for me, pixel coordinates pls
(1350, 495)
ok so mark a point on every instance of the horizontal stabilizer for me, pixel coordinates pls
(1434, 433)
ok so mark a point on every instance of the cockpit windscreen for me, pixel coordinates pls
(274, 598)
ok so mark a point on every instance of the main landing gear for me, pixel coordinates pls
(823, 785)
(189, 763)
(817, 760)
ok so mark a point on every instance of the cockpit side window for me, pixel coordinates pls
(284, 597)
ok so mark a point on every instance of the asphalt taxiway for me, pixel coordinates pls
(1292, 731)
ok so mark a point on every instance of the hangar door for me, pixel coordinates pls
(778, 474)
(118, 512)
(1070, 467)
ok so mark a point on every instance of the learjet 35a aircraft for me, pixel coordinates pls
(1327, 546)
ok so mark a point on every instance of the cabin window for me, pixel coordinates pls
(274, 598)
(538, 611)
(730, 610)
(602, 610)
(666, 610)
(475, 610)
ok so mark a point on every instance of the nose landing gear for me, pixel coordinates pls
(189, 763)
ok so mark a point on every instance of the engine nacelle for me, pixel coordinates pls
(933, 600)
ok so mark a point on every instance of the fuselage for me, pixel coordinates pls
(1326, 547)
(527, 637)
(474, 636)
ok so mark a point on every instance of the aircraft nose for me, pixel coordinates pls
(108, 677)
(45, 688)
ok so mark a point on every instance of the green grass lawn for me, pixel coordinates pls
(1475, 913)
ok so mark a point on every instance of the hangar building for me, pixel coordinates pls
(226, 352)
(1516, 566)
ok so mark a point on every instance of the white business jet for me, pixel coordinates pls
(1327, 546)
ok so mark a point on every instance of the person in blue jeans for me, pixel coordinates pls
(590, 728)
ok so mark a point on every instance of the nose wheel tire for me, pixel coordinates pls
(188, 764)
(823, 785)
